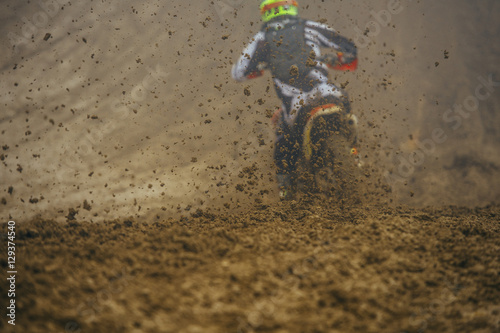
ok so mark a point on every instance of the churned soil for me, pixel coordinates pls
(289, 267)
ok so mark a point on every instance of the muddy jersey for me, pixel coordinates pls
(290, 49)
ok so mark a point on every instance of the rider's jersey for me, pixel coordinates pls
(310, 81)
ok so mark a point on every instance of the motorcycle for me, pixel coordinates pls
(330, 162)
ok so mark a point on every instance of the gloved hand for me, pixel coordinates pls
(346, 57)
(259, 72)
(255, 74)
(342, 61)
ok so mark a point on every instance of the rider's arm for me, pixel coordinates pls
(249, 64)
(324, 36)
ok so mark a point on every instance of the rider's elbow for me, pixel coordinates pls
(237, 74)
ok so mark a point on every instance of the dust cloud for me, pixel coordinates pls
(123, 113)
(129, 106)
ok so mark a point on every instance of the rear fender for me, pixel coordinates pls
(320, 111)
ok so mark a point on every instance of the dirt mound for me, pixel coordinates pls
(290, 267)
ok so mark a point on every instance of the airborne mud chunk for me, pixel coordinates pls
(71, 214)
(86, 205)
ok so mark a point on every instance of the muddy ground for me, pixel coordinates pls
(299, 266)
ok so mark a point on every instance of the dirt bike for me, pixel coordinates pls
(330, 162)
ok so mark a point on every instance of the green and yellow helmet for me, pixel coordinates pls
(270, 9)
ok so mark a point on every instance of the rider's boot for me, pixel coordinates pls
(285, 186)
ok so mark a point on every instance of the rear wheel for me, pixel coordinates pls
(332, 166)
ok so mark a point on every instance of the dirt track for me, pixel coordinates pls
(291, 267)
(124, 111)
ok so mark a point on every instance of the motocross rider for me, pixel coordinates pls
(290, 47)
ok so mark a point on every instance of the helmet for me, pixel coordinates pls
(270, 9)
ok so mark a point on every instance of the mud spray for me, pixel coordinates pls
(140, 175)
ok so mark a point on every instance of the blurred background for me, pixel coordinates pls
(123, 108)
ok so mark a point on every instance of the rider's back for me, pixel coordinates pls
(290, 59)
